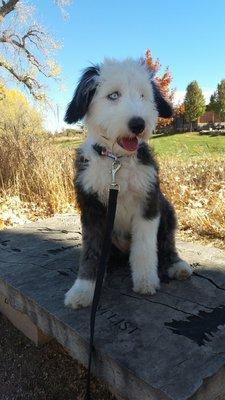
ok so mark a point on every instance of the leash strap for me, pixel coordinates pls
(111, 211)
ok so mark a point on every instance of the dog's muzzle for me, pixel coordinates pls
(136, 125)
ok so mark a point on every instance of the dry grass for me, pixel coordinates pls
(35, 172)
(36, 180)
(196, 187)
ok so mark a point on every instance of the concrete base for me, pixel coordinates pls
(170, 346)
(22, 322)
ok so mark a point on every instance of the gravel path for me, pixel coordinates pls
(39, 373)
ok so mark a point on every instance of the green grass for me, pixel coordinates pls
(183, 145)
(65, 142)
(188, 145)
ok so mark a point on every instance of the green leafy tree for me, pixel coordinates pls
(213, 105)
(194, 103)
(221, 98)
(217, 100)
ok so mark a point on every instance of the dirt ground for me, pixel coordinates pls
(40, 373)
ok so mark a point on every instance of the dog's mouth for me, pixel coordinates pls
(129, 143)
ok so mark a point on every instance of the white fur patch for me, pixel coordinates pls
(81, 294)
(134, 179)
(143, 255)
(180, 270)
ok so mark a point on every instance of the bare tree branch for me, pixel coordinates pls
(26, 48)
(6, 8)
(31, 83)
(62, 4)
(16, 42)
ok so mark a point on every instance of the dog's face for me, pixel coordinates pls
(120, 103)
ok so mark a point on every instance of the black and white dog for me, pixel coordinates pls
(121, 103)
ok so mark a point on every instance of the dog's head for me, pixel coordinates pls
(120, 102)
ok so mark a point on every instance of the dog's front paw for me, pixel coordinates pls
(81, 294)
(180, 270)
(146, 286)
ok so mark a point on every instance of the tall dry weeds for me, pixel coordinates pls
(36, 171)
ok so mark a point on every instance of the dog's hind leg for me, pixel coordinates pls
(170, 264)
(180, 270)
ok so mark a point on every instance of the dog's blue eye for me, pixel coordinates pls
(113, 96)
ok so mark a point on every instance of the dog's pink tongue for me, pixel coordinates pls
(130, 144)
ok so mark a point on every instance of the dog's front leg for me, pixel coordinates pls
(81, 293)
(143, 255)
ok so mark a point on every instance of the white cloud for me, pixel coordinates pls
(179, 96)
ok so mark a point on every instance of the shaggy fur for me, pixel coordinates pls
(121, 104)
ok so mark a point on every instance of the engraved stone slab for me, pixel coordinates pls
(167, 346)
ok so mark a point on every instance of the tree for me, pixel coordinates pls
(213, 105)
(26, 48)
(163, 82)
(221, 98)
(217, 100)
(179, 110)
(17, 117)
(194, 103)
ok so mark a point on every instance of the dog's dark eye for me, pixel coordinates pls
(142, 96)
(113, 96)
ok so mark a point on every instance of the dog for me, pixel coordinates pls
(121, 103)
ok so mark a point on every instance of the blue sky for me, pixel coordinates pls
(186, 35)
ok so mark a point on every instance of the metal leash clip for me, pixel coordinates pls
(114, 169)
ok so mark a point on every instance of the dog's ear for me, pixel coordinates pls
(163, 106)
(83, 95)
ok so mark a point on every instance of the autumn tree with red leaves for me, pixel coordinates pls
(179, 110)
(163, 82)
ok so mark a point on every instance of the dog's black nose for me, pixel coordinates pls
(136, 125)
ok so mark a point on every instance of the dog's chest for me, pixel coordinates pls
(134, 179)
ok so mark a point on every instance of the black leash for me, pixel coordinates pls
(111, 211)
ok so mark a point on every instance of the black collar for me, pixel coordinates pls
(143, 154)
(103, 151)
(99, 149)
